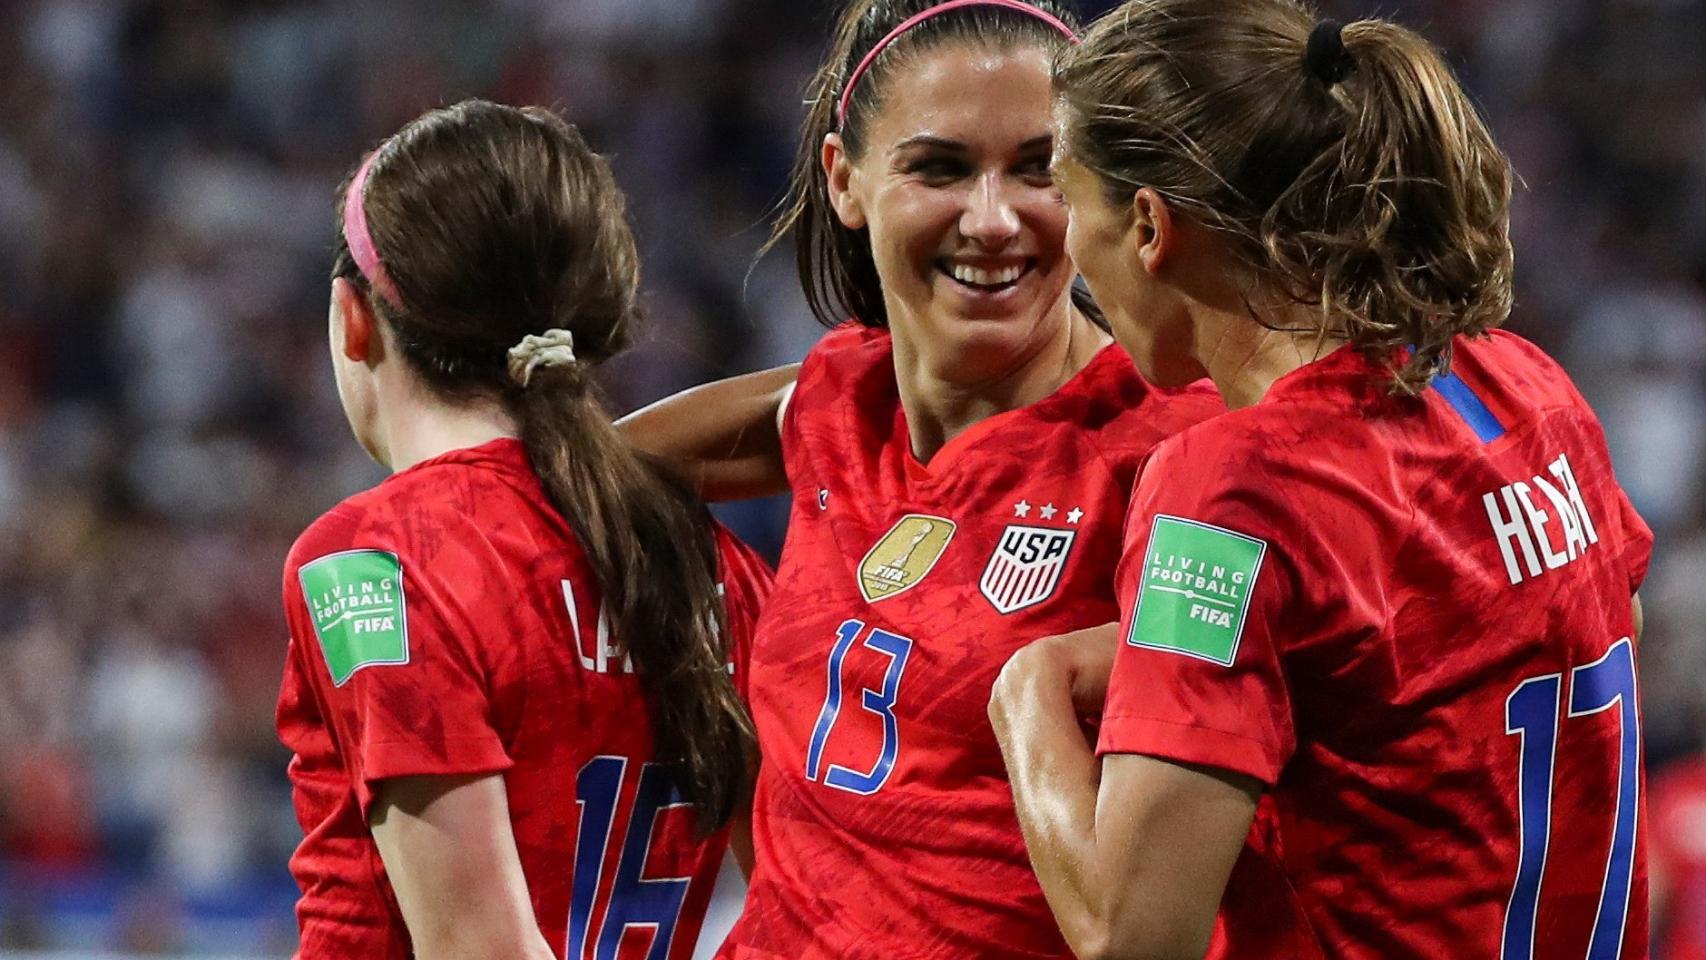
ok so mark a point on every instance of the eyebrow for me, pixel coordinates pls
(942, 143)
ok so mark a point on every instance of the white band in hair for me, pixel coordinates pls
(553, 348)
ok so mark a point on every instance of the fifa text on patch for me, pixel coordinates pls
(1195, 594)
(356, 601)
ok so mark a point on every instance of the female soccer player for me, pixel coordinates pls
(1392, 588)
(960, 455)
(515, 729)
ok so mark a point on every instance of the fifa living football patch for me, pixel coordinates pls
(356, 601)
(1197, 580)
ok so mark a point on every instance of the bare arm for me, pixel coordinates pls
(452, 859)
(1133, 852)
(724, 438)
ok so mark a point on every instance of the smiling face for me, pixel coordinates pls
(966, 228)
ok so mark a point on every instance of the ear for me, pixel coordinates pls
(838, 169)
(361, 340)
(1153, 232)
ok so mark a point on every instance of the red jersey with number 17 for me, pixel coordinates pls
(1411, 619)
(446, 622)
(883, 823)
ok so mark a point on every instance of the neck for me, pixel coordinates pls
(418, 425)
(944, 392)
(1244, 359)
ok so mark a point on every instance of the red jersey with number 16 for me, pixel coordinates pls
(446, 622)
(1411, 619)
(883, 823)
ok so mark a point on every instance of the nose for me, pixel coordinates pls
(990, 219)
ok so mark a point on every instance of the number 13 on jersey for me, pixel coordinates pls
(880, 702)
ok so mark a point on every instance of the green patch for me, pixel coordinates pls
(1196, 589)
(356, 600)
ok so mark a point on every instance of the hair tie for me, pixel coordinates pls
(361, 247)
(937, 10)
(1325, 57)
(553, 348)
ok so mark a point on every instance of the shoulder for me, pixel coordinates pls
(421, 513)
(1504, 344)
(1126, 416)
(845, 389)
(1516, 375)
(1119, 416)
(359, 522)
(1267, 470)
(847, 353)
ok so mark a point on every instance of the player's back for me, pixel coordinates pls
(884, 823)
(1466, 780)
(447, 623)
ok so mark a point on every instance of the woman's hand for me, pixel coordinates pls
(1077, 663)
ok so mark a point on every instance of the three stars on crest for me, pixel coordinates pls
(1047, 512)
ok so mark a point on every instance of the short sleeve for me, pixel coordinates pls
(1223, 577)
(746, 581)
(1637, 542)
(391, 639)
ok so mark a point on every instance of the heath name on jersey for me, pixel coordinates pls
(1411, 619)
(1520, 525)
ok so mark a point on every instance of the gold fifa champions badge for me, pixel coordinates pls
(904, 556)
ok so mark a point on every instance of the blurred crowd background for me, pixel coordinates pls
(168, 422)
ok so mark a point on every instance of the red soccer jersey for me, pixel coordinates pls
(1679, 858)
(1411, 618)
(446, 622)
(883, 822)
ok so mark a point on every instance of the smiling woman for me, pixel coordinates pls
(950, 182)
(960, 448)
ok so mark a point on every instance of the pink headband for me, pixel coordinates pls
(940, 8)
(360, 241)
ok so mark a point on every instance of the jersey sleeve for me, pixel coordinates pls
(397, 646)
(746, 581)
(1637, 542)
(1224, 577)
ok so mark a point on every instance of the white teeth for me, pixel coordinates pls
(986, 278)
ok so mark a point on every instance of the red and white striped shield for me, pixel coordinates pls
(1025, 568)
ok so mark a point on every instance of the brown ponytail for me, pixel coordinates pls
(837, 271)
(1372, 191)
(496, 223)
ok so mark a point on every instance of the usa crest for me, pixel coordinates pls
(904, 555)
(1026, 566)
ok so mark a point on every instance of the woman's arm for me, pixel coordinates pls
(452, 860)
(1132, 852)
(724, 438)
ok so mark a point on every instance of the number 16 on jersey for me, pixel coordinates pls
(880, 702)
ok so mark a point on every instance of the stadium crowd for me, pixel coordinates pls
(167, 423)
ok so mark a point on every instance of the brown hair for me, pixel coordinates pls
(496, 223)
(1370, 189)
(836, 268)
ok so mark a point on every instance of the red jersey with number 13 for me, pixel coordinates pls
(1411, 619)
(883, 823)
